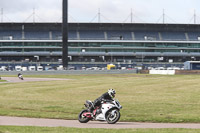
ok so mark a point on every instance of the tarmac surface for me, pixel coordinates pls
(20, 121)
(16, 79)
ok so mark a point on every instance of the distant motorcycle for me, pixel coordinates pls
(108, 111)
(21, 77)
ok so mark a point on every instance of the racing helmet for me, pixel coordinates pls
(111, 93)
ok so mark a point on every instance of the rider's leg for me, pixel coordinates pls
(96, 103)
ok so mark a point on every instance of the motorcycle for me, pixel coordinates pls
(21, 77)
(108, 111)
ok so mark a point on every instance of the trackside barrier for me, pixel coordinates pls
(64, 72)
(188, 72)
(164, 72)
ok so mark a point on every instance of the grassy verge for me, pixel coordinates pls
(145, 98)
(15, 129)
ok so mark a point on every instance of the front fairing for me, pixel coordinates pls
(117, 104)
(106, 107)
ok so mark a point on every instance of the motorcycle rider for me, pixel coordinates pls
(108, 96)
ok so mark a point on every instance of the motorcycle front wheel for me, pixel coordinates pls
(82, 118)
(113, 116)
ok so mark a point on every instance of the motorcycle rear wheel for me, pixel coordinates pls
(81, 118)
(112, 119)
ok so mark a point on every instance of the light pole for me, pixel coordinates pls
(65, 34)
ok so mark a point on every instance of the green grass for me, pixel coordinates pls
(15, 129)
(145, 98)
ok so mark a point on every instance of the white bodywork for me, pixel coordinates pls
(20, 76)
(105, 107)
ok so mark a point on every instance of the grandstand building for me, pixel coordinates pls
(100, 42)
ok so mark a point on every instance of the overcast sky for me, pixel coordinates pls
(145, 11)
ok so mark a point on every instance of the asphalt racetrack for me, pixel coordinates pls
(16, 79)
(19, 121)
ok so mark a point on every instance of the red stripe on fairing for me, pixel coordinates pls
(87, 114)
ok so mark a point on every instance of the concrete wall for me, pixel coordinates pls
(176, 72)
(69, 72)
(164, 72)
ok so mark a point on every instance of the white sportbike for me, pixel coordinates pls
(108, 111)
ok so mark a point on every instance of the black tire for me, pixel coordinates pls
(113, 119)
(81, 118)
